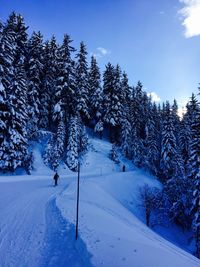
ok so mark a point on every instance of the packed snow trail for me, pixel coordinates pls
(60, 248)
(22, 221)
(25, 222)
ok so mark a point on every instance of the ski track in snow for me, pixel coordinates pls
(32, 230)
(60, 248)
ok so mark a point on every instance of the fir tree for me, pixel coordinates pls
(95, 90)
(34, 67)
(136, 109)
(99, 128)
(6, 72)
(72, 155)
(16, 24)
(171, 162)
(152, 143)
(178, 201)
(126, 137)
(112, 105)
(47, 94)
(14, 139)
(65, 91)
(81, 82)
(194, 173)
(59, 146)
(17, 148)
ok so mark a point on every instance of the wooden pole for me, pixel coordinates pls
(77, 201)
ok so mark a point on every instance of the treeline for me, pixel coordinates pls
(46, 87)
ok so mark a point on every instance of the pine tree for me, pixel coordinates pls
(34, 66)
(81, 82)
(72, 155)
(14, 139)
(99, 128)
(194, 172)
(59, 146)
(108, 88)
(18, 145)
(83, 144)
(125, 90)
(175, 117)
(126, 137)
(48, 155)
(178, 201)
(171, 162)
(16, 25)
(65, 90)
(136, 117)
(136, 109)
(125, 120)
(152, 143)
(183, 140)
(112, 105)
(47, 93)
(95, 90)
(6, 72)
(192, 108)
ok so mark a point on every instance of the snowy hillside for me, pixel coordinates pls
(37, 220)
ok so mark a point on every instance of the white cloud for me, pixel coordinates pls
(191, 17)
(103, 50)
(154, 97)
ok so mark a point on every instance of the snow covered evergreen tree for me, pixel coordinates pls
(150, 200)
(175, 116)
(152, 143)
(47, 94)
(59, 146)
(136, 109)
(126, 137)
(194, 172)
(177, 203)
(112, 105)
(14, 90)
(99, 128)
(17, 149)
(125, 119)
(65, 90)
(95, 91)
(81, 82)
(72, 155)
(136, 120)
(34, 66)
(6, 71)
(184, 139)
(171, 163)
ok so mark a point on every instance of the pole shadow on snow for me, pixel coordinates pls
(60, 248)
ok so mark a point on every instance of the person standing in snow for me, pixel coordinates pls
(56, 176)
(123, 168)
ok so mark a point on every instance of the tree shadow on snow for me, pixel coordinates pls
(60, 248)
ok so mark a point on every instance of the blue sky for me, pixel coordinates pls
(157, 42)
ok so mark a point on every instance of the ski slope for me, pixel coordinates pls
(37, 220)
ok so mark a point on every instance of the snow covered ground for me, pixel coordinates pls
(37, 220)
